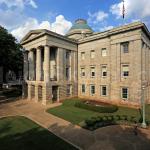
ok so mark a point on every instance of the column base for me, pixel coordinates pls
(143, 125)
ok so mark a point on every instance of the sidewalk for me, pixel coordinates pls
(107, 138)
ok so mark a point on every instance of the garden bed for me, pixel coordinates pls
(91, 120)
(96, 106)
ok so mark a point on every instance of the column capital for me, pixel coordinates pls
(48, 46)
(39, 47)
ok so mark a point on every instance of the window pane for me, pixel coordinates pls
(125, 93)
(92, 54)
(104, 71)
(83, 55)
(69, 90)
(92, 89)
(67, 73)
(83, 88)
(125, 47)
(92, 71)
(82, 71)
(125, 69)
(104, 52)
(104, 90)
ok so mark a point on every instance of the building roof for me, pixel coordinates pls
(80, 26)
(116, 30)
(34, 34)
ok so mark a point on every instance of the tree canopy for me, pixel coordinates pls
(11, 57)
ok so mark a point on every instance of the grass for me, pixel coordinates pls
(75, 115)
(20, 133)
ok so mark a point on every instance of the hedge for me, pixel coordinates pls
(102, 121)
(100, 109)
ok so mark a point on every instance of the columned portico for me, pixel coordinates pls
(47, 64)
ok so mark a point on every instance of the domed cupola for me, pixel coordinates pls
(79, 30)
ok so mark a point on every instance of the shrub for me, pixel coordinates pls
(100, 109)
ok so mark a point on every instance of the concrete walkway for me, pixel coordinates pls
(108, 138)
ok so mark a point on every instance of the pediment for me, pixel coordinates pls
(31, 34)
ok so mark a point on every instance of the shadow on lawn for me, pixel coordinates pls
(112, 137)
(33, 139)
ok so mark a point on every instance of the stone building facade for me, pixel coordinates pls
(111, 66)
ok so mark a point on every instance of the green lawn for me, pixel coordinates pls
(76, 115)
(20, 133)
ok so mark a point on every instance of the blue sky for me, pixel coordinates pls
(20, 16)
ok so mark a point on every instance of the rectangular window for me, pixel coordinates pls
(69, 90)
(92, 89)
(125, 47)
(92, 71)
(125, 70)
(103, 90)
(68, 73)
(82, 55)
(83, 88)
(92, 54)
(124, 93)
(68, 55)
(83, 72)
(104, 52)
(104, 70)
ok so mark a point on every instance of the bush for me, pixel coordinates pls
(100, 109)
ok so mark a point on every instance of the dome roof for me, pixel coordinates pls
(80, 26)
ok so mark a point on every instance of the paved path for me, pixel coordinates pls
(108, 138)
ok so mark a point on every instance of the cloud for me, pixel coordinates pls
(133, 8)
(18, 3)
(12, 15)
(11, 18)
(97, 16)
(61, 26)
(32, 3)
(105, 28)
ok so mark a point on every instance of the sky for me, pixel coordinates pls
(21, 16)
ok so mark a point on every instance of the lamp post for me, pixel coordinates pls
(143, 125)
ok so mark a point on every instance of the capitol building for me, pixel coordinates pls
(111, 66)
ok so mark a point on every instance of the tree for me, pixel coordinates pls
(11, 56)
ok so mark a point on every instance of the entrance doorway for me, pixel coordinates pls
(55, 93)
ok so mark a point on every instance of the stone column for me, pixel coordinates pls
(25, 69)
(38, 64)
(25, 74)
(58, 64)
(31, 65)
(46, 64)
(29, 91)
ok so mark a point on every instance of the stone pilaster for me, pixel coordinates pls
(46, 64)
(47, 94)
(36, 93)
(38, 64)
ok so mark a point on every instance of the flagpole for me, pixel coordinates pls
(123, 12)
